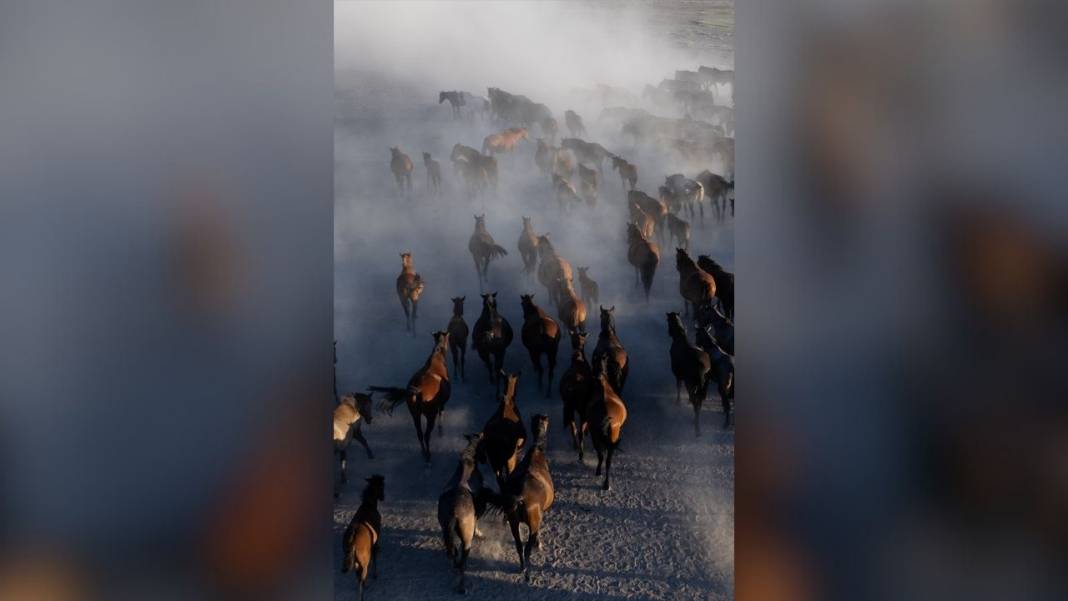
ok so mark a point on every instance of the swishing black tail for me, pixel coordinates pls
(489, 501)
(393, 397)
(497, 251)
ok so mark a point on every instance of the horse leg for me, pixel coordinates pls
(608, 468)
(535, 358)
(513, 523)
(696, 415)
(344, 467)
(478, 271)
(534, 524)
(415, 314)
(430, 419)
(465, 550)
(678, 391)
(416, 419)
(600, 458)
(407, 315)
(463, 363)
(552, 368)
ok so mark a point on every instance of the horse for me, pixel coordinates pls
(628, 172)
(530, 492)
(588, 184)
(654, 208)
(528, 246)
(571, 310)
(574, 123)
(722, 328)
(644, 255)
(691, 366)
(717, 190)
(433, 173)
(562, 163)
(360, 542)
(409, 288)
(426, 395)
(576, 386)
(646, 223)
(541, 336)
(478, 170)
(463, 501)
(679, 230)
(491, 336)
(483, 249)
(590, 293)
(695, 285)
(684, 193)
(610, 347)
(722, 372)
(456, 99)
(349, 416)
(605, 416)
(549, 128)
(565, 193)
(503, 141)
(458, 331)
(587, 152)
(504, 433)
(401, 166)
(724, 283)
(551, 267)
(543, 156)
(478, 104)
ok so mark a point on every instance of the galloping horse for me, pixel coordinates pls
(401, 166)
(574, 123)
(426, 395)
(349, 415)
(504, 433)
(456, 99)
(572, 311)
(654, 208)
(717, 190)
(610, 347)
(541, 336)
(483, 249)
(717, 325)
(724, 283)
(409, 289)
(695, 285)
(491, 336)
(645, 223)
(644, 255)
(588, 184)
(463, 501)
(543, 156)
(360, 542)
(576, 386)
(590, 292)
(433, 173)
(531, 486)
(528, 246)
(628, 172)
(458, 331)
(551, 268)
(503, 141)
(549, 128)
(722, 373)
(605, 417)
(690, 366)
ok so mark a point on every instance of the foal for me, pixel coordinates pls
(504, 433)
(426, 395)
(576, 386)
(458, 331)
(528, 246)
(433, 173)
(691, 366)
(695, 285)
(491, 336)
(628, 172)
(609, 347)
(590, 294)
(409, 289)
(360, 542)
(531, 485)
(541, 336)
(644, 255)
(349, 415)
(483, 249)
(605, 416)
(401, 166)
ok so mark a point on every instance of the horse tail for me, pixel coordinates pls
(489, 501)
(497, 251)
(606, 427)
(351, 562)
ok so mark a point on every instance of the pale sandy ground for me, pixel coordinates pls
(666, 530)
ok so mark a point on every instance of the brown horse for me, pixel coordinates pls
(590, 293)
(628, 172)
(503, 141)
(565, 194)
(605, 417)
(458, 331)
(690, 366)
(504, 433)
(572, 311)
(460, 505)
(549, 128)
(679, 230)
(433, 173)
(562, 162)
(574, 123)
(610, 347)
(541, 336)
(722, 372)
(360, 542)
(644, 255)
(401, 166)
(349, 415)
(646, 224)
(409, 289)
(528, 246)
(724, 283)
(543, 156)
(426, 395)
(588, 184)
(576, 386)
(483, 249)
(717, 190)
(696, 286)
(491, 336)
(478, 170)
(551, 268)
(531, 487)
(655, 208)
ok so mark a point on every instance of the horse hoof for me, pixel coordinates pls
(606, 487)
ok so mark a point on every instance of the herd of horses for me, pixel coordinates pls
(590, 389)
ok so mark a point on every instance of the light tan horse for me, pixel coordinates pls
(551, 268)
(409, 288)
(349, 415)
(503, 141)
(360, 542)
(644, 255)
(401, 166)
(572, 311)
(696, 286)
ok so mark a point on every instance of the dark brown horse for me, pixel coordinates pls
(543, 156)
(628, 172)
(696, 286)
(576, 386)
(717, 190)
(426, 395)
(549, 128)
(531, 487)
(460, 505)
(646, 224)
(605, 416)
(724, 283)
(409, 289)
(491, 336)
(360, 542)
(458, 331)
(401, 166)
(483, 249)
(504, 433)
(528, 246)
(456, 99)
(691, 366)
(433, 173)
(541, 336)
(644, 255)
(610, 347)
(722, 373)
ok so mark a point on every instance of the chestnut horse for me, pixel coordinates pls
(576, 386)
(409, 289)
(528, 246)
(644, 255)
(610, 347)
(695, 285)
(458, 331)
(483, 249)
(401, 166)
(491, 336)
(541, 336)
(504, 141)
(605, 416)
(531, 487)
(504, 433)
(360, 542)
(426, 395)
(690, 366)
(551, 268)
(572, 311)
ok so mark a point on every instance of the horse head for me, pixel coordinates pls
(376, 488)
(608, 319)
